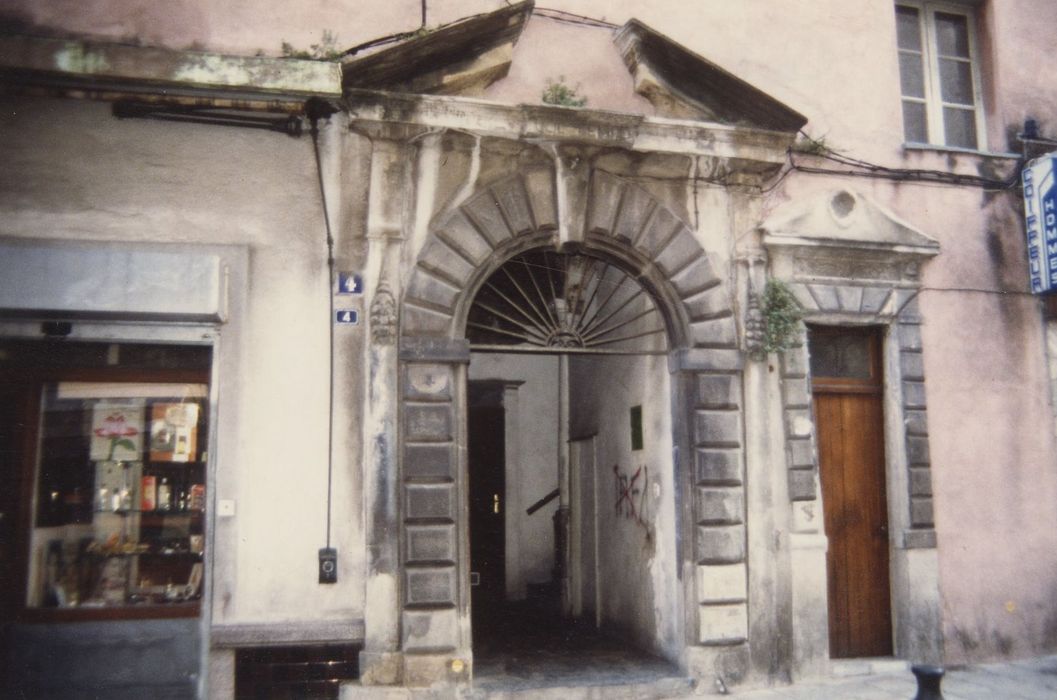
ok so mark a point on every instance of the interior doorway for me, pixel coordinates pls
(847, 389)
(488, 501)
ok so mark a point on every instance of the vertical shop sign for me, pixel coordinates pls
(1040, 220)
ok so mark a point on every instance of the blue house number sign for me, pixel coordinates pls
(347, 317)
(349, 283)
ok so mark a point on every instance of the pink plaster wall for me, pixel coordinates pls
(991, 422)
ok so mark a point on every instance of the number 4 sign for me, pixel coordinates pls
(349, 283)
(346, 317)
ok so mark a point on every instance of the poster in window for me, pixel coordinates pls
(117, 431)
(174, 432)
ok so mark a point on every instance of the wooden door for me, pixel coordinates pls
(487, 514)
(847, 386)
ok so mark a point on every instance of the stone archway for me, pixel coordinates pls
(627, 225)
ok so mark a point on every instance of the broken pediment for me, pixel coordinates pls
(681, 84)
(842, 234)
(460, 58)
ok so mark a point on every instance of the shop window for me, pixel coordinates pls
(939, 74)
(116, 443)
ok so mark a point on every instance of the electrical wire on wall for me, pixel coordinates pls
(316, 109)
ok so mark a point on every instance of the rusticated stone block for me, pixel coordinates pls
(920, 481)
(718, 467)
(721, 584)
(635, 208)
(430, 630)
(917, 451)
(718, 391)
(795, 393)
(850, 298)
(460, 232)
(723, 624)
(438, 256)
(921, 512)
(916, 422)
(909, 336)
(720, 544)
(432, 586)
(425, 460)
(826, 297)
(432, 290)
(710, 303)
(874, 299)
(430, 543)
(539, 184)
(798, 422)
(430, 501)
(428, 422)
(801, 484)
(420, 321)
(800, 454)
(428, 382)
(698, 276)
(719, 428)
(514, 204)
(794, 362)
(678, 253)
(483, 209)
(661, 226)
(605, 201)
(718, 332)
(913, 394)
(912, 365)
(719, 506)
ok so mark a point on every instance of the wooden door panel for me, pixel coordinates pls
(851, 464)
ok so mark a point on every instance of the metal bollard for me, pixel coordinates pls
(929, 679)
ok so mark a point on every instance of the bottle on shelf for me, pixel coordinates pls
(164, 495)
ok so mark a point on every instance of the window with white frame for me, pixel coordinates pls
(939, 74)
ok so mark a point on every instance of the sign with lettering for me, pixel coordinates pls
(349, 283)
(1040, 219)
(347, 317)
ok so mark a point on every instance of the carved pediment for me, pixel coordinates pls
(681, 84)
(844, 235)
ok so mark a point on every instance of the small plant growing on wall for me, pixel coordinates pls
(781, 317)
(558, 93)
(325, 50)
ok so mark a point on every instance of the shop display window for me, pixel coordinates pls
(115, 514)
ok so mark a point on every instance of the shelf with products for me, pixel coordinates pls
(123, 490)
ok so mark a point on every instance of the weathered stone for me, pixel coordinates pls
(717, 428)
(605, 202)
(636, 206)
(705, 360)
(514, 204)
(921, 512)
(907, 303)
(826, 297)
(429, 460)
(920, 481)
(718, 391)
(430, 501)
(795, 393)
(803, 295)
(428, 422)
(909, 336)
(483, 210)
(874, 299)
(917, 450)
(715, 506)
(723, 624)
(916, 422)
(431, 290)
(913, 395)
(427, 382)
(434, 350)
(432, 586)
(430, 543)
(539, 184)
(798, 422)
(695, 278)
(794, 362)
(718, 467)
(678, 253)
(720, 544)
(850, 298)
(721, 584)
(801, 484)
(709, 303)
(800, 454)
(919, 539)
(461, 233)
(912, 365)
(719, 332)
(430, 630)
(443, 260)
(661, 227)
(418, 320)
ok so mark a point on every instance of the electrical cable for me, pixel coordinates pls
(317, 109)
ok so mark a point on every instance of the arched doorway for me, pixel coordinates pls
(624, 229)
(571, 477)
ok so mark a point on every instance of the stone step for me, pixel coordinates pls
(846, 668)
(657, 689)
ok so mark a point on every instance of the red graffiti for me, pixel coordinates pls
(631, 500)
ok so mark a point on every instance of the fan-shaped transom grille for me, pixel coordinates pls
(545, 301)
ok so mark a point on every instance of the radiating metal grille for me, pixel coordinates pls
(542, 301)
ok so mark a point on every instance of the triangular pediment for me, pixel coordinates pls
(682, 84)
(844, 219)
(463, 57)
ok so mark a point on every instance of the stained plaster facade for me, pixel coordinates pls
(427, 196)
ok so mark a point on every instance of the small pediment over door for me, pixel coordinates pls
(842, 237)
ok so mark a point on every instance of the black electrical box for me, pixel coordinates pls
(328, 565)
